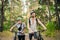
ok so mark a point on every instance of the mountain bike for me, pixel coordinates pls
(39, 35)
(15, 37)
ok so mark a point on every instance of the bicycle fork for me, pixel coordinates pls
(40, 37)
(15, 35)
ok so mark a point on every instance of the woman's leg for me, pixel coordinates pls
(23, 37)
(19, 37)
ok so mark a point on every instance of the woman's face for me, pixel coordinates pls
(19, 21)
(33, 15)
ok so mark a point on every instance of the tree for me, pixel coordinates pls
(12, 9)
(57, 14)
(2, 15)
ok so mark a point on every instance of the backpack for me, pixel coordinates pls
(30, 21)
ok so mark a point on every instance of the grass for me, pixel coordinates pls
(5, 34)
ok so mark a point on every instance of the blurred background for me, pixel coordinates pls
(48, 11)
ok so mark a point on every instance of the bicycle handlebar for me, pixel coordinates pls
(41, 30)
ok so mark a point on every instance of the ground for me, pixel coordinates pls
(11, 36)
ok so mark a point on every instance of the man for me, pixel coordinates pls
(20, 26)
(32, 26)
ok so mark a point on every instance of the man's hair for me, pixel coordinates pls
(32, 12)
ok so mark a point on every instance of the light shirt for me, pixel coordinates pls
(22, 26)
(33, 25)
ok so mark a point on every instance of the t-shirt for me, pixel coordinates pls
(22, 28)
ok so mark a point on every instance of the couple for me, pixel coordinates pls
(32, 27)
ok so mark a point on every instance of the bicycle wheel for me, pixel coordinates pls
(40, 38)
(15, 36)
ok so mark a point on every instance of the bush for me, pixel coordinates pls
(7, 25)
(50, 29)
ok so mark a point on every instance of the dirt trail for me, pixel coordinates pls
(27, 37)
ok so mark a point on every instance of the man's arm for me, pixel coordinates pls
(41, 24)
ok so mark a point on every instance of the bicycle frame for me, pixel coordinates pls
(39, 36)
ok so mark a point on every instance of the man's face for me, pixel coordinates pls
(33, 15)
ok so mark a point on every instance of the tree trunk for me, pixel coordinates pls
(57, 14)
(48, 5)
(2, 16)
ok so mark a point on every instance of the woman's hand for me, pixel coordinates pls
(11, 30)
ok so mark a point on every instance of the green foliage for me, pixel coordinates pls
(39, 27)
(40, 11)
(52, 9)
(57, 26)
(41, 14)
(6, 25)
(50, 29)
(42, 2)
(9, 15)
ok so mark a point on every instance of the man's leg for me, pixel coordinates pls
(30, 36)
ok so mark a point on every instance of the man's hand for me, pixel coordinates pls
(45, 28)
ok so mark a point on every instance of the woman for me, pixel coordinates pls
(21, 26)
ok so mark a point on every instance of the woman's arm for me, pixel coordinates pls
(12, 27)
(41, 24)
(24, 30)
